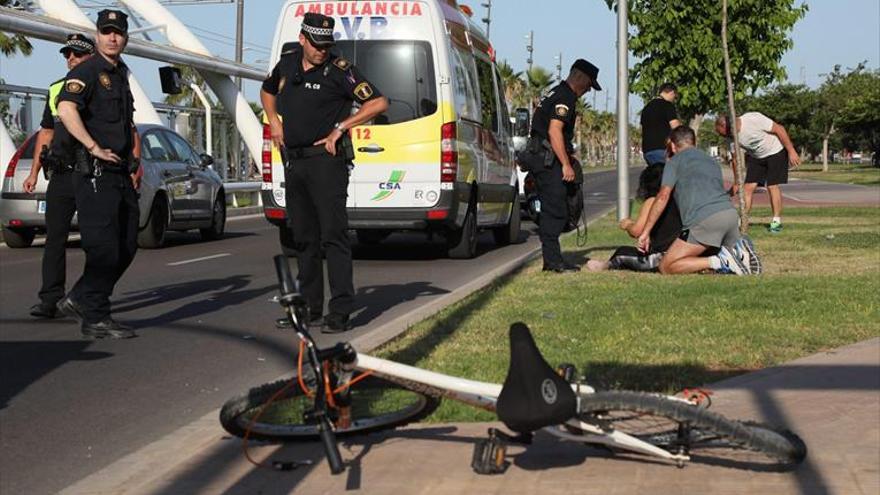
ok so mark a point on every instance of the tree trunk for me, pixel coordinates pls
(825, 140)
(696, 122)
(738, 174)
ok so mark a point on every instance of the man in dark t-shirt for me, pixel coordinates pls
(658, 119)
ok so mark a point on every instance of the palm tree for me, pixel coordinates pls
(538, 79)
(12, 44)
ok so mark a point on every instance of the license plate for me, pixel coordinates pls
(41, 207)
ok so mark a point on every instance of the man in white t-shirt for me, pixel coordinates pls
(769, 154)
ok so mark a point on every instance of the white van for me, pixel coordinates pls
(440, 160)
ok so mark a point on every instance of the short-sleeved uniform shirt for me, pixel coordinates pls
(698, 185)
(61, 139)
(104, 100)
(557, 104)
(311, 102)
(755, 137)
(655, 123)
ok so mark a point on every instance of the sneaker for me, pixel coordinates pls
(745, 250)
(730, 263)
(775, 227)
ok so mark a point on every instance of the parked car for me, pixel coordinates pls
(179, 191)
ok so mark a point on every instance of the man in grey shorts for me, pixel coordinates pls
(708, 219)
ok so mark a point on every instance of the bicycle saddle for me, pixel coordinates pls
(533, 395)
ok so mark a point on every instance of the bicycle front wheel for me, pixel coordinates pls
(376, 404)
(680, 427)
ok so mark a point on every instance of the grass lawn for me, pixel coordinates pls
(862, 174)
(821, 290)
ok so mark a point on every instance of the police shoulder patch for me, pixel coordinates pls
(561, 110)
(74, 86)
(341, 63)
(363, 91)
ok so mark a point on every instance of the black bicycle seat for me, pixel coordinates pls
(533, 395)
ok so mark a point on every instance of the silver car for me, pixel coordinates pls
(179, 191)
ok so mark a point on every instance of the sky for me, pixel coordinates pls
(843, 32)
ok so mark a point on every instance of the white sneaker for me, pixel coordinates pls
(730, 263)
(745, 250)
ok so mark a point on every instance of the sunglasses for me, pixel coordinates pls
(68, 53)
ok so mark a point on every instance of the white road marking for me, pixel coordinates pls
(203, 258)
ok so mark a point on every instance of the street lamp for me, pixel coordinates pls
(558, 59)
(488, 18)
(530, 47)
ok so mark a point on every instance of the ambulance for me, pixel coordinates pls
(440, 160)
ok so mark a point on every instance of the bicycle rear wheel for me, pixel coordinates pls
(680, 427)
(376, 404)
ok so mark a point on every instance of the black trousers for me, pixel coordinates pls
(60, 207)
(554, 210)
(108, 224)
(630, 258)
(316, 189)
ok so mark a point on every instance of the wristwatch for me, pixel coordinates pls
(341, 128)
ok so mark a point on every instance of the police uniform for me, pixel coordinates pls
(60, 199)
(105, 196)
(310, 104)
(557, 104)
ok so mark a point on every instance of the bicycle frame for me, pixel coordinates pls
(484, 395)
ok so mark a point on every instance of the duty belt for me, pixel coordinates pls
(112, 167)
(305, 152)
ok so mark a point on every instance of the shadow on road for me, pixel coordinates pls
(373, 300)
(218, 294)
(23, 363)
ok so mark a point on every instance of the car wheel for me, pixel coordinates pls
(218, 220)
(509, 234)
(153, 235)
(462, 243)
(18, 238)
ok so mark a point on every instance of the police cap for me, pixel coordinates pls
(318, 28)
(78, 43)
(112, 19)
(588, 69)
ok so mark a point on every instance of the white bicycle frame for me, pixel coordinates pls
(484, 395)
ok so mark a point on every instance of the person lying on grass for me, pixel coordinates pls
(708, 219)
(666, 230)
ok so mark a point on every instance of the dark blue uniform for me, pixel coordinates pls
(310, 103)
(60, 202)
(106, 200)
(558, 104)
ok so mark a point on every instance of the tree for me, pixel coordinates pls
(677, 41)
(849, 109)
(738, 172)
(538, 79)
(514, 86)
(16, 43)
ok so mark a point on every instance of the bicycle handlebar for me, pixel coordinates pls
(290, 297)
(285, 279)
(330, 447)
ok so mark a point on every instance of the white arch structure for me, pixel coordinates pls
(236, 105)
(66, 10)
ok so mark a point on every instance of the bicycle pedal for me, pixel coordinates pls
(489, 457)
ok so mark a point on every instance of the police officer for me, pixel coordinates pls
(60, 202)
(313, 91)
(96, 107)
(551, 138)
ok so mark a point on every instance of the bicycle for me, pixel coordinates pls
(326, 400)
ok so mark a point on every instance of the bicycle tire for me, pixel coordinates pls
(283, 421)
(713, 439)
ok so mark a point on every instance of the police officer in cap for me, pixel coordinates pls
(551, 139)
(54, 155)
(313, 91)
(96, 107)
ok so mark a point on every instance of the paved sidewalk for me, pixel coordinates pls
(832, 399)
(811, 193)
